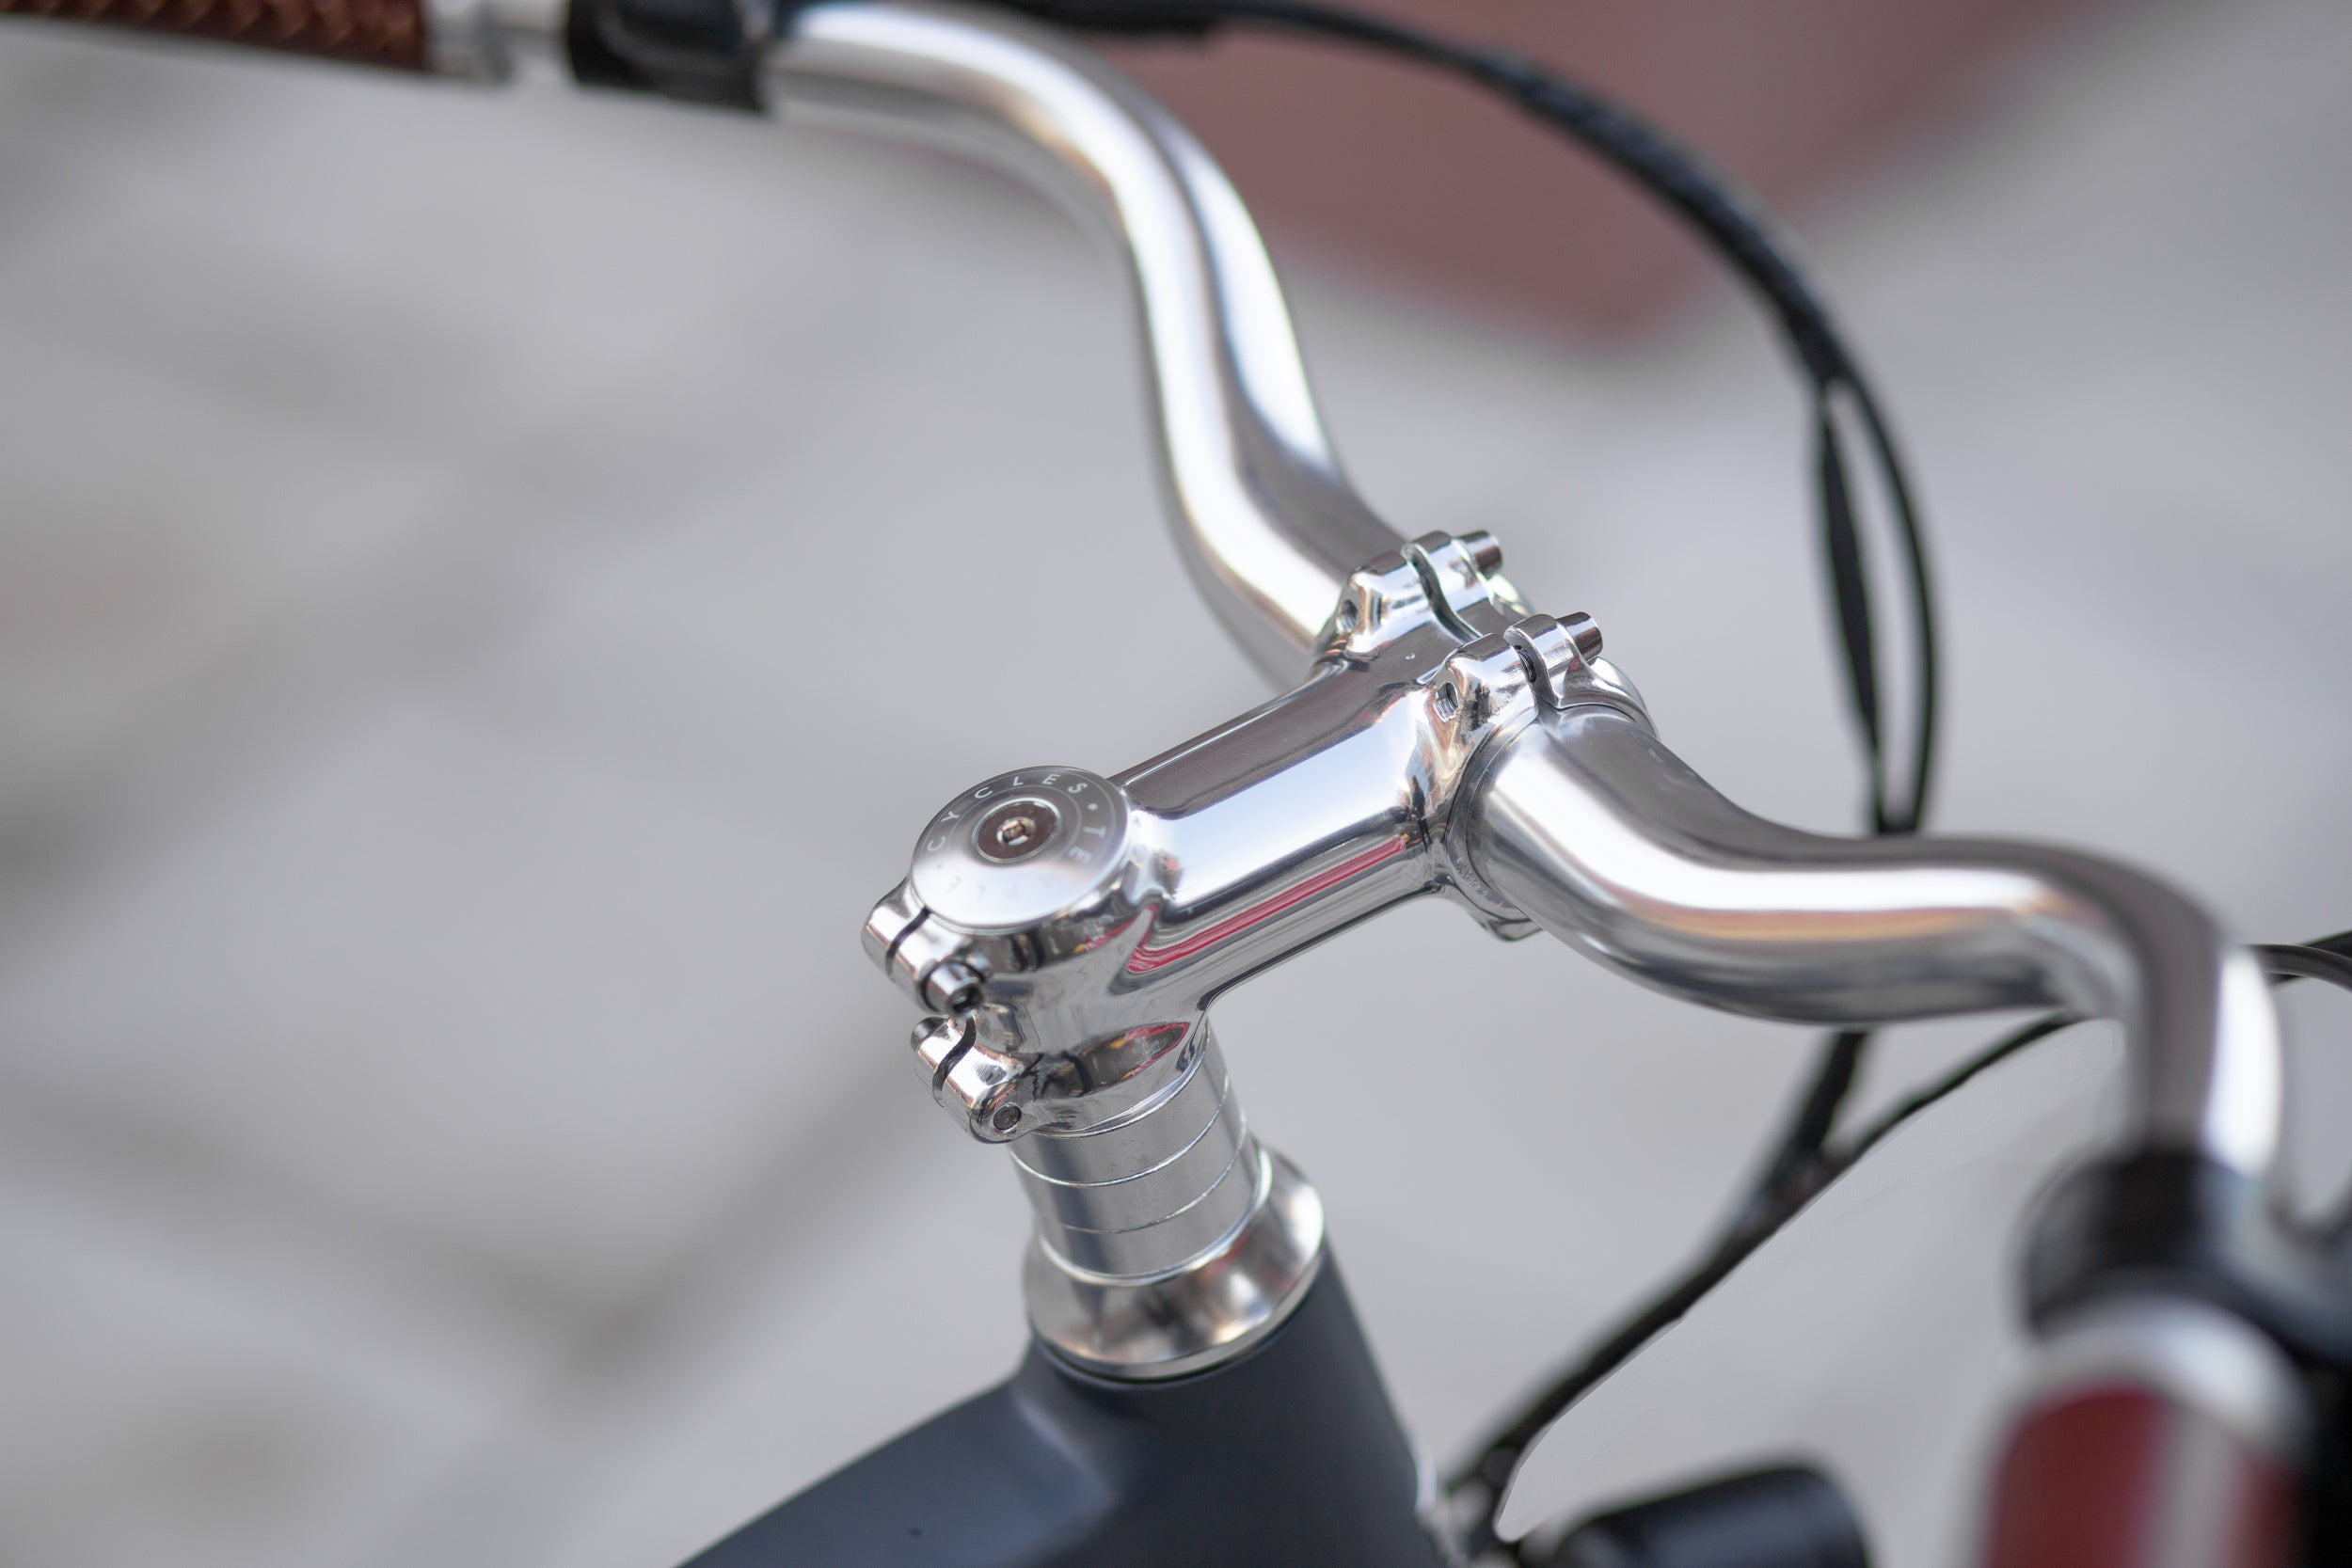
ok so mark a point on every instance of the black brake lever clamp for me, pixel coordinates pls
(2180, 1224)
(704, 52)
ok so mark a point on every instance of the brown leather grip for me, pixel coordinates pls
(386, 33)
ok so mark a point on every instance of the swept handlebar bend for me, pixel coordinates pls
(1267, 525)
(1596, 830)
(1583, 819)
(1481, 750)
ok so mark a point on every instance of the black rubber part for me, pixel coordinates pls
(1790, 1516)
(1095, 16)
(1289, 1456)
(688, 51)
(2180, 1224)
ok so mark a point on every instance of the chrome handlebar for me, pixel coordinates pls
(1266, 523)
(1582, 820)
(1434, 737)
(1072, 930)
(1590, 826)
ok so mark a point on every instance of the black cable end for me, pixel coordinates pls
(2180, 1224)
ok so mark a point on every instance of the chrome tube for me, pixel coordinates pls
(1267, 525)
(1606, 838)
(1493, 763)
(1583, 821)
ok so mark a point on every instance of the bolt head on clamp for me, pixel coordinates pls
(1010, 874)
(1554, 651)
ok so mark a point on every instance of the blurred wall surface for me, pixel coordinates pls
(1414, 176)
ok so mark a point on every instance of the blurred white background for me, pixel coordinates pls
(489, 588)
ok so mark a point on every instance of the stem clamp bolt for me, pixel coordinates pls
(1555, 650)
(951, 986)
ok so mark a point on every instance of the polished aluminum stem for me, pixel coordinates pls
(1071, 931)
(1591, 825)
(1268, 526)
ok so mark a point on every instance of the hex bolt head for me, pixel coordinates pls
(979, 1085)
(1016, 829)
(951, 986)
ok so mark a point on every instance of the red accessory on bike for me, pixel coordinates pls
(2117, 1474)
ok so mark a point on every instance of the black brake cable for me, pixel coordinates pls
(1803, 1162)
(2327, 959)
(1799, 1163)
(1740, 234)
(1735, 227)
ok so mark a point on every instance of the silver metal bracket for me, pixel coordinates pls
(1066, 932)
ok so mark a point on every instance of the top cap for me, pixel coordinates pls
(1020, 848)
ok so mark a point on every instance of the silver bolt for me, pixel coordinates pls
(1015, 830)
(1553, 650)
(951, 986)
(1580, 626)
(938, 1042)
(1484, 549)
